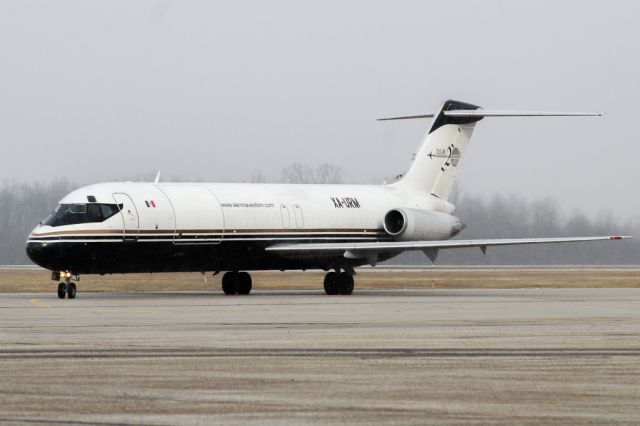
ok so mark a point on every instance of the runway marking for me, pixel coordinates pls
(38, 303)
(362, 353)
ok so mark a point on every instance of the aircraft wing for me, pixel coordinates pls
(368, 249)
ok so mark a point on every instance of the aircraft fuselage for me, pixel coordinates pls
(179, 227)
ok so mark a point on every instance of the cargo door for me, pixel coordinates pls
(129, 213)
(198, 214)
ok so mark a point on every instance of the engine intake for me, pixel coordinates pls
(395, 222)
(413, 224)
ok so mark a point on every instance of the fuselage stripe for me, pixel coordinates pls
(226, 236)
(208, 231)
(202, 240)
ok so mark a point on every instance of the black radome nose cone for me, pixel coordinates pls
(42, 254)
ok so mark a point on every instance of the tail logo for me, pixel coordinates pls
(451, 154)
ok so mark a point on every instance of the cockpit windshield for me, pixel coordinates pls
(71, 214)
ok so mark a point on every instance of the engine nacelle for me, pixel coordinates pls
(407, 224)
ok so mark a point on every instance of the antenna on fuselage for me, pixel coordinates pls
(157, 179)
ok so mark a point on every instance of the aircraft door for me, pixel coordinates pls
(286, 219)
(198, 214)
(299, 217)
(129, 213)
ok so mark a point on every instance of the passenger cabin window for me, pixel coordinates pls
(71, 214)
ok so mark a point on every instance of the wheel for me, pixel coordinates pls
(230, 283)
(344, 283)
(62, 290)
(71, 291)
(330, 283)
(244, 283)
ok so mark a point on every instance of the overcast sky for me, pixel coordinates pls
(220, 90)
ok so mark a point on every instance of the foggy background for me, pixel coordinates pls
(240, 91)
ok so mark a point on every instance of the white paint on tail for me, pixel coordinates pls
(436, 164)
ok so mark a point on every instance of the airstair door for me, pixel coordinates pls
(129, 213)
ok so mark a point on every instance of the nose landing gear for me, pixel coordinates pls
(71, 291)
(62, 290)
(66, 288)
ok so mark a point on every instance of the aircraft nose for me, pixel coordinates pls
(42, 253)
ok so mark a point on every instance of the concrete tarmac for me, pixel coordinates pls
(527, 356)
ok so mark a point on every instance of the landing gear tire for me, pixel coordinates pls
(236, 283)
(345, 284)
(71, 291)
(229, 283)
(243, 283)
(330, 283)
(62, 290)
(338, 283)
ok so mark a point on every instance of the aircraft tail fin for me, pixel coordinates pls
(436, 164)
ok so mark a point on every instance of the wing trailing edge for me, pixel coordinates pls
(364, 250)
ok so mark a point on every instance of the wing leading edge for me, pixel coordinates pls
(365, 250)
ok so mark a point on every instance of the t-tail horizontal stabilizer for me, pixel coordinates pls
(437, 161)
(481, 113)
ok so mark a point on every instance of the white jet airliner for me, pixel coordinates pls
(130, 227)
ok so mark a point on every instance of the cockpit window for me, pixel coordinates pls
(78, 208)
(71, 214)
(109, 210)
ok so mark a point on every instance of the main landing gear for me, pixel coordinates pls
(236, 283)
(338, 283)
(65, 288)
(334, 283)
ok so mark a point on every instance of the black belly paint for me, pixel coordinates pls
(132, 256)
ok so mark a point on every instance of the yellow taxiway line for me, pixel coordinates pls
(38, 303)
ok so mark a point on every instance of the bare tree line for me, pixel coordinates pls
(303, 173)
(513, 216)
(23, 205)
